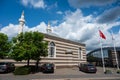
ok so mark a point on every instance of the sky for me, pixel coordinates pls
(77, 20)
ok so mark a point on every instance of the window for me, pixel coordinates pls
(80, 53)
(52, 49)
(69, 51)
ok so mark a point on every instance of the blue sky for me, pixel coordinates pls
(11, 11)
(71, 19)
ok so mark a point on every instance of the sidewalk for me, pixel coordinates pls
(83, 76)
(75, 71)
(105, 78)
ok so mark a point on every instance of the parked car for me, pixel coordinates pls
(47, 67)
(87, 67)
(7, 67)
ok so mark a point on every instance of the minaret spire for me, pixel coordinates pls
(49, 30)
(21, 22)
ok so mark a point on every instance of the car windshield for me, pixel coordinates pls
(48, 64)
(90, 65)
(2, 63)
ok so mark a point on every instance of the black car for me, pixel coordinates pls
(47, 67)
(6, 67)
(87, 67)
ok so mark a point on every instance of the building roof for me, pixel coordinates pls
(105, 48)
(56, 37)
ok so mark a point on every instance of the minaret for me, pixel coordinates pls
(49, 30)
(21, 22)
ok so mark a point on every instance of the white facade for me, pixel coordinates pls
(63, 52)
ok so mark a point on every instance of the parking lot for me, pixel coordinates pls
(75, 71)
(64, 74)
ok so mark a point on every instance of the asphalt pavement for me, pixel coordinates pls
(64, 74)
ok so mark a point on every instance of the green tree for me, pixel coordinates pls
(29, 45)
(91, 59)
(4, 45)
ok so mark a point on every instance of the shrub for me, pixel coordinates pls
(108, 72)
(33, 69)
(118, 71)
(24, 70)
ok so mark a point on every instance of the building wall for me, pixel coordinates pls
(110, 60)
(114, 58)
(62, 59)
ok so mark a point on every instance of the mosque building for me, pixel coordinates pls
(62, 52)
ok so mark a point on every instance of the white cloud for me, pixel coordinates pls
(110, 15)
(85, 29)
(88, 3)
(54, 22)
(41, 27)
(74, 27)
(34, 3)
(59, 12)
(12, 30)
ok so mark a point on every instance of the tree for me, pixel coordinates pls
(92, 59)
(29, 45)
(4, 45)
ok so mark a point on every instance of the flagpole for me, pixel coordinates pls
(102, 56)
(115, 51)
(102, 35)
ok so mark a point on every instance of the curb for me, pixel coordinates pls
(105, 78)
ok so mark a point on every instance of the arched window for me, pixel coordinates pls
(52, 49)
(80, 53)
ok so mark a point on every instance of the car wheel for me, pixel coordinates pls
(44, 71)
(79, 69)
(6, 71)
(53, 71)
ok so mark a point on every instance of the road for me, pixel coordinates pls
(63, 74)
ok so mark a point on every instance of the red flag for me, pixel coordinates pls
(102, 35)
